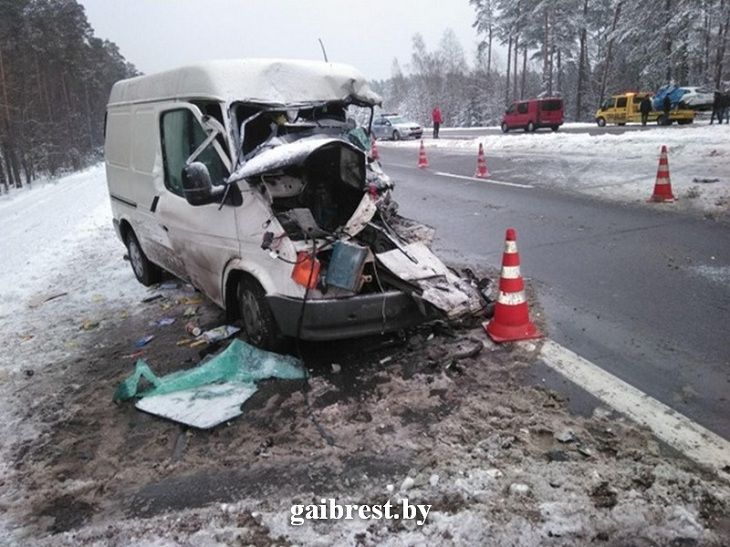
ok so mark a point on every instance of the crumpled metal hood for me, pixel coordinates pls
(283, 155)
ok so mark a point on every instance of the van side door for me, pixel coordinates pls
(204, 236)
(522, 114)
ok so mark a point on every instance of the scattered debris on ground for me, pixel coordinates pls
(439, 415)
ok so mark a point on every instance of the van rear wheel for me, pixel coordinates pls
(145, 272)
(530, 127)
(259, 326)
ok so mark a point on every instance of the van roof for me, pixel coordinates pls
(264, 81)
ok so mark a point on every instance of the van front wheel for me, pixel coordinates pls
(145, 272)
(505, 128)
(259, 325)
(601, 122)
(530, 127)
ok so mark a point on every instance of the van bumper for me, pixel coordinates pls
(333, 319)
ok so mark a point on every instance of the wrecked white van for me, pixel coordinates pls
(248, 179)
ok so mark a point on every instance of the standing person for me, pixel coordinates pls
(645, 108)
(667, 106)
(436, 117)
(725, 107)
(716, 107)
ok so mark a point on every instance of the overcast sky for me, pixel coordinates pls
(160, 34)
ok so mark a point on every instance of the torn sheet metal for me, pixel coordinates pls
(363, 214)
(411, 231)
(439, 286)
(207, 395)
(420, 263)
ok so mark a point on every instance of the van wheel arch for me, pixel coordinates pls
(259, 328)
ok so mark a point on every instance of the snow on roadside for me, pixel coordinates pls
(56, 238)
(616, 166)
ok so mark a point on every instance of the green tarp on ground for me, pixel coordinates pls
(213, 391)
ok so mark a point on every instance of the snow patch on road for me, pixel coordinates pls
(616, 166)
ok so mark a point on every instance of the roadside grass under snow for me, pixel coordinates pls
(621, 167)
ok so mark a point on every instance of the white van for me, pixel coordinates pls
(248, 179)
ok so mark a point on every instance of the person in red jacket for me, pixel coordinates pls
(436, 117)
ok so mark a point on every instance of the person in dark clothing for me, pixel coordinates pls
(716, 108)
(645, 108)
(666, 107)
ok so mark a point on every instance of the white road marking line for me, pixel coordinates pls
(678, 431)
(489, 181)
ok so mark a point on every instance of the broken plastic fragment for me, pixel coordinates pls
(142, 342)
(219, 333)
(208, 394)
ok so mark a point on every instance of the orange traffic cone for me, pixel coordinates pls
(663, 185)
(482, 172)
(374, 150)
(422, 159)
(511, 320)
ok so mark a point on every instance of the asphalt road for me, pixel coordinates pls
(642, 292)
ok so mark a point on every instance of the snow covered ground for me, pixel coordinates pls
(616, 166)
(500, 460)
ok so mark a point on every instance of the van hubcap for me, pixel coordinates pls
(251, 316)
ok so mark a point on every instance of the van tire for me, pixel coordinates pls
(530, 127)
(145, 271)
(505, 128)
(555, 127)
(259, 327)
(601, 122)
(396, 135)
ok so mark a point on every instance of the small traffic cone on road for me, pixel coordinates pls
(663, 184)
(374, 150)
(511, 320)
(422, 159)
(482, 172)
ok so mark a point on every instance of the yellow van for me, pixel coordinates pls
(624, 108)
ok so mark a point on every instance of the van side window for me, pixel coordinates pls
(181, 135)
(621, 102)
(522, 108)
(551, 106)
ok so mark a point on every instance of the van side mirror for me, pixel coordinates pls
(197, 186)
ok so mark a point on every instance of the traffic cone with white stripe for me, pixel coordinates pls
(663, 184)
(511, 320)
(374, 150)
(422, 159)
(482, 172)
